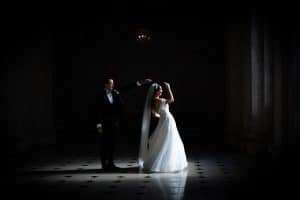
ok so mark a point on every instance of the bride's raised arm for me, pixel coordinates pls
(170, 98)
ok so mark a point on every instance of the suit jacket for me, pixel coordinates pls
(107, 112)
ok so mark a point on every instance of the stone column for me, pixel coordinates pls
(278, 110)
(268, 85)
(257, 83)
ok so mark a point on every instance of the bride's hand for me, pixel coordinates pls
(166, 84)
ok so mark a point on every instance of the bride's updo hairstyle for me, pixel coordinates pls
(156, 87)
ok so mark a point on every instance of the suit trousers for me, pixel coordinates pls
(107, 143)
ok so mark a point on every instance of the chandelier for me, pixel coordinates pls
(143, 35)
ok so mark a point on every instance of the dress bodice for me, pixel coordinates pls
(164, 106)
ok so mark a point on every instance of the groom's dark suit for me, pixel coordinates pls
(109, 114)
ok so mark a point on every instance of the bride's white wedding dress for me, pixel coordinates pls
(165, 152)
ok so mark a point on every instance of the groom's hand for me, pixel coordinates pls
(146, 81)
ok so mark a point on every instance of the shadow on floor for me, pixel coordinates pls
(129, 170)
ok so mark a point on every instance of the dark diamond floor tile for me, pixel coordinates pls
(53, 186)
(33, 182)
(142, 186)
(108, 192)
(112, 187)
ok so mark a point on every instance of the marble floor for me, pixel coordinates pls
(208, 176)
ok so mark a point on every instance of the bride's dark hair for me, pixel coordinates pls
(156, 88)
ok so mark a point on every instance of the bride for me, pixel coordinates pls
(164, 150)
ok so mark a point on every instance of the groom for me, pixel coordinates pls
(109, 110)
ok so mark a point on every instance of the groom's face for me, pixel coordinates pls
(109, 85)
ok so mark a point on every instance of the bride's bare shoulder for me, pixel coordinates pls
(157, 101)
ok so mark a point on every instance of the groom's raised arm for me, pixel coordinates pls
(137, 83)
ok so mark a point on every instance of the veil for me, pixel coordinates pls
(146, 125)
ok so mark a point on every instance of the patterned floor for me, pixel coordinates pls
(80, 176)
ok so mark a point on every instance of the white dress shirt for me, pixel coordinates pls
(110, 96)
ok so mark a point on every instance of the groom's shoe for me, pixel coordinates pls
(104, 167)
(112, 167)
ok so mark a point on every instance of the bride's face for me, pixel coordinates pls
(159, 91)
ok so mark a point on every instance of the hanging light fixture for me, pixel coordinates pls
(143, 35)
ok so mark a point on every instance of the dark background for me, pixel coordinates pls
(55, 57)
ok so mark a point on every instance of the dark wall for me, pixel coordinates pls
(261, 80)
(55, 60)
(182, 51)
(293, 59)
(27, 70)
